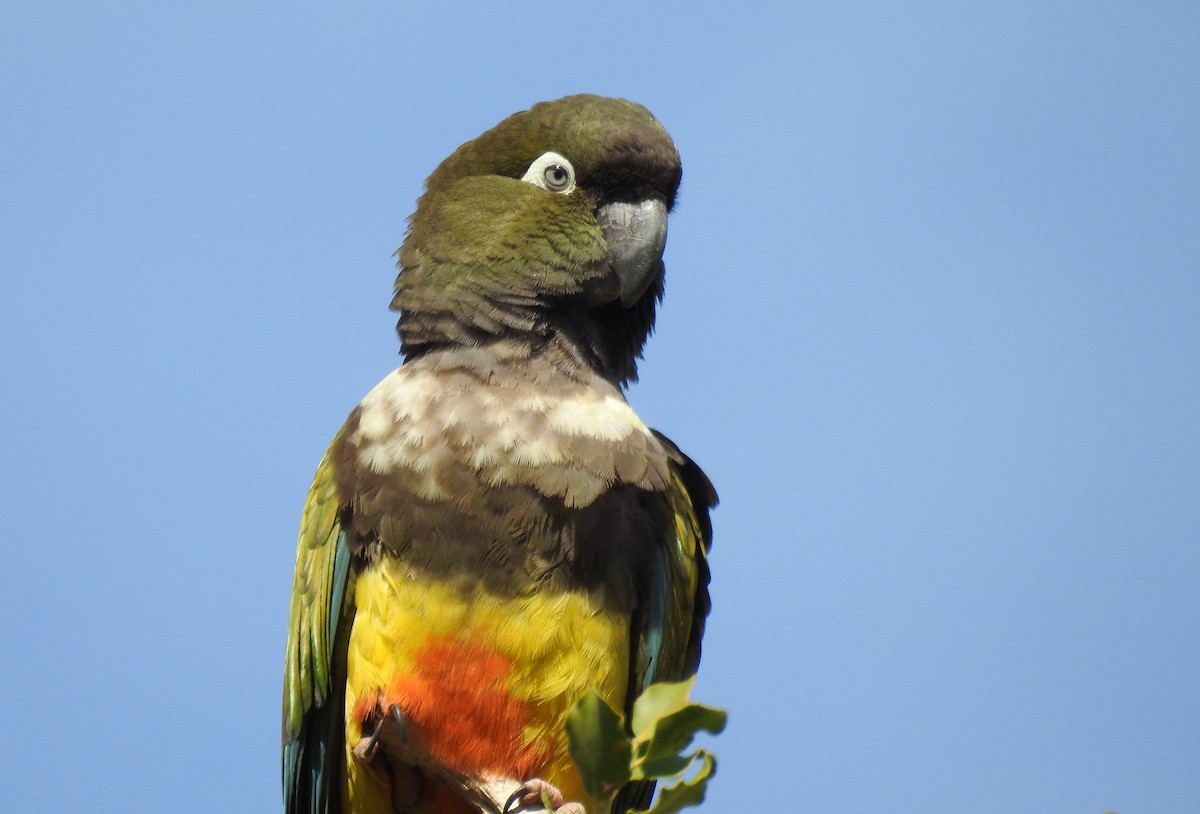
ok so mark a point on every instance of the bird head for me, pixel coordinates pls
(547, 229)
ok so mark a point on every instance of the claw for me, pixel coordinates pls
(539, 792)
(513, 799)
(366, 748)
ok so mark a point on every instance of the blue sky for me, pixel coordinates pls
(932, 326)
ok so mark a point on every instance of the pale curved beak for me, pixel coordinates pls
(636, 234)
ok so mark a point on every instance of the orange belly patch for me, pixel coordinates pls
(458, 702)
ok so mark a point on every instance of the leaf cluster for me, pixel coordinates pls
(653, 747)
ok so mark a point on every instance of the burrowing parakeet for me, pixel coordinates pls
(494, 530)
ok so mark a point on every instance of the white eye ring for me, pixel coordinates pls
(552, 172)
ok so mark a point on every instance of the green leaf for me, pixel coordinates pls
(664, 723)
(599, 746)
(665, 767)
(658, 701)
(673, 733)
(687, 793)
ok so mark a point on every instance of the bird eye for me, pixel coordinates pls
(552, 172)
(557, 177)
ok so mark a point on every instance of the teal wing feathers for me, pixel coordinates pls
(668, 629)
(679, 601)
(314, 672)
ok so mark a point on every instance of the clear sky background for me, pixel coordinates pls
(932, 326)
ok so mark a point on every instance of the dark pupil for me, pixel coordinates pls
(557, 175)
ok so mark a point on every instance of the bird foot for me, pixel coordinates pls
(391, 738)
(391, 731)
(539, 793)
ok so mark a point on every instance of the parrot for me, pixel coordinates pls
(494, 532)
